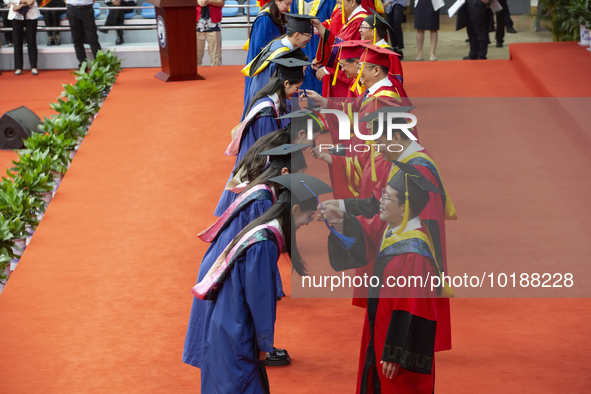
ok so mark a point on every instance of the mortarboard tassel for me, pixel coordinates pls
(374, 29)
(346, 242)
(359, 74)
(406, 208)
(336, 72)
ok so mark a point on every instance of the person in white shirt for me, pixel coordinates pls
(24, 15)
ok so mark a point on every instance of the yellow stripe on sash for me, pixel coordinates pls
(450, 210)
(276, 53)
(447, 291)
(313, 11)
(350, 177)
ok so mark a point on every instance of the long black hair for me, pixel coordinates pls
(252, 164)
(277, 17)
(281, 211)
(275, 85)
(267, 173)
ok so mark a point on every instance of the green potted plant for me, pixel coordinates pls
(563, 17)
(73, 106)
(7, 254)
(57, 145)
(18, 204)
(32, 173)
(71, 126)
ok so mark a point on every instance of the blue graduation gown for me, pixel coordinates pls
(256, 83)
(194, 339)
(263, 32)
(258, 128)
(324, 12)
(240, 321)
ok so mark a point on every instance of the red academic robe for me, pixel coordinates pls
(395, 63)
(365, 105)
(351, 177)
(439, 209)
(397, 329)
(328, 56)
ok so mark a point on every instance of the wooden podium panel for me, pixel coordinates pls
(177, 39)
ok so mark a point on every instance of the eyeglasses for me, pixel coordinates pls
(307, 35)
(364, 27)
(311, 217)
(385, 197)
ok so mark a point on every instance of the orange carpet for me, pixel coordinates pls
(100, 301)
(33, 92)
(560, 69)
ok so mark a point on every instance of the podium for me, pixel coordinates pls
(177, 39)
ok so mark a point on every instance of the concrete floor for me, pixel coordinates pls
(451, 44)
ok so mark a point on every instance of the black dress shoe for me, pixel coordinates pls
(278, 358)
(50, 42)
(511, 30)
(499, 44)
(467, 58)
(119, 40)
(56, 41)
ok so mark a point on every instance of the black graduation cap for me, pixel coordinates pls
(287, 155)
(296, 53)
(377, 22)
(305, 188)
(300, 23)
(417, 182)
(290, 68)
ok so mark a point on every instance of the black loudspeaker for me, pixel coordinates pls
(16, 126)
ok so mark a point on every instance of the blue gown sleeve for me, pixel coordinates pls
(260, 291)
(263, 32)
(257, 129)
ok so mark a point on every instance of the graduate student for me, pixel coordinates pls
(268, 25)
(259, 71)
(322, 10)
(377, 30)
(401, 325)
(258, 196)
(239, 290)
(327, 60)
(268, 104)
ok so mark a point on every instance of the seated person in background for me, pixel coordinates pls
(52, 19)
(116, 17)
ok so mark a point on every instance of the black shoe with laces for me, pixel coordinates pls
(119, 40)
(511, 30)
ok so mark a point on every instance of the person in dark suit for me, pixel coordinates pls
(473, 16)
(81, 17)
